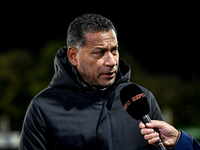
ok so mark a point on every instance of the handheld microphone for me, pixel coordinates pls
(137, 106)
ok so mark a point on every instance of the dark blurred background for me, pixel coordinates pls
(160, 41)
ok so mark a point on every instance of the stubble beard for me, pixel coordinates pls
(94, 83)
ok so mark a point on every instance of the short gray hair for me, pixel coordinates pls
(84, 24)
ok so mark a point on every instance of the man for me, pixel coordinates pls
(81, 108)
(171, 137)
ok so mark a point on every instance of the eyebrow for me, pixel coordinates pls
(104, 48)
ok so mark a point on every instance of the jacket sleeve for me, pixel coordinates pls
(155, 112)
(187, 142)
(33, 136)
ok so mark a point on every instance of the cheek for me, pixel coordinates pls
(95, 69)
(88, 67)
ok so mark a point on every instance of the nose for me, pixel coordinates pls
(110, 59)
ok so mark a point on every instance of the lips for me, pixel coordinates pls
(109, 74)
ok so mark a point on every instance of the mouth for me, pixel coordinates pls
(109, 74)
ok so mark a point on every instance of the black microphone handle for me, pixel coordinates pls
(147, 119)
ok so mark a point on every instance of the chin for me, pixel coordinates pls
(109, 83)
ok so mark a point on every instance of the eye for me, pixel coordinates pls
(114, 51)
(98, 53)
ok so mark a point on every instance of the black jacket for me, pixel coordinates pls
(70, 115)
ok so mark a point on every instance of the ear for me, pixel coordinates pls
(72, 54)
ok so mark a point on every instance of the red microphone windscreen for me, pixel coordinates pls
(134, 101)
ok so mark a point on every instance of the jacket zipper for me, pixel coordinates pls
(103, 103)
(104, 99)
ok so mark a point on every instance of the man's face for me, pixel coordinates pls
(99, 59)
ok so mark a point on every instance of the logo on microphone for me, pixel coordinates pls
(135, 98)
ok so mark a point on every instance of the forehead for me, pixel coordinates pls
(101, 38)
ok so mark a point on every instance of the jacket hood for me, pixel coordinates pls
(67, 75)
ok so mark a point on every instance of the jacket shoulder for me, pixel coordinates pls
(146, 92)
(49, 94)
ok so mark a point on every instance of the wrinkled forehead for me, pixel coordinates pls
(101, 38)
